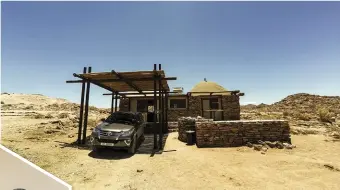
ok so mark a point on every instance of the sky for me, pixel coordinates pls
(268, 50)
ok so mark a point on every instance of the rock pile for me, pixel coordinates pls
(238, 133)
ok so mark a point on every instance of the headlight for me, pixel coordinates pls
(127, 133)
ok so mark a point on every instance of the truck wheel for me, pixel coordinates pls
(132, 148)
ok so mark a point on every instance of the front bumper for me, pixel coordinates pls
(112, 141)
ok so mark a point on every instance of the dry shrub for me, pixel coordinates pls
(285, 114)
(2, 102)
(302, 116)
(63, 115)
(28, 107)
(92, 122)
(324, 115)
(48, 116)
(39, 116)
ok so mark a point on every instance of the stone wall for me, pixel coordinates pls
(194, 109)
(238, 133)
(186, 124)
(231, 107)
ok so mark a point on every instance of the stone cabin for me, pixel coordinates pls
(207, 99)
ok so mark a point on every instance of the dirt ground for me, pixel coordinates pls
(179, 166)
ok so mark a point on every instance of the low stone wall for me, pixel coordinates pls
(238, 133)
(173, 126)
(186, 124)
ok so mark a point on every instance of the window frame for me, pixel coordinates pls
(178, 98)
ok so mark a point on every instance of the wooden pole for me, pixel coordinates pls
(116, 100)
(86, 109)
(160, 114)
(112, 101)
(81, 109)
(166, 112)
(155, 109)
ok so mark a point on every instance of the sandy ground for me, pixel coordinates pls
(179, 166)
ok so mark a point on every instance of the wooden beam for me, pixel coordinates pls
(119, 80)
(136, 93)
(81, 110)
(94, 82)
(86, 109)
(127, 82)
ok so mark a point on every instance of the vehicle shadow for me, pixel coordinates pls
(109, 154)
(146, 147)
(143, 147)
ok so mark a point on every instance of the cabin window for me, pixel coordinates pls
(214, 103)
(178, 103)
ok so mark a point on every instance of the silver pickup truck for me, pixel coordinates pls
(121, 130)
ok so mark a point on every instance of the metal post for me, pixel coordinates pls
(86, 109)
(116, 104)
(81, 109)
(155, 109)
(160, 114)
(166, 111)
(112, 100)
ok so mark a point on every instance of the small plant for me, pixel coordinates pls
(62, 115)
(39, 116)
(302, 116)
(285, 114)
(2, 102)
(324, 115)
(48, 116)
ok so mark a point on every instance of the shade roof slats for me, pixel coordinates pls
(122, 84)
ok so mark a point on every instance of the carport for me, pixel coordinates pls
(123, 85)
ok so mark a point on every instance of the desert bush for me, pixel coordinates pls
(28, 107)
(62, 115)
(48, 116)
(302, 116)
(285, 114)
(2, 102)
(324, 115)
(39, 116)
(92, 122)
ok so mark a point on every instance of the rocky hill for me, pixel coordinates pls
(307, 113)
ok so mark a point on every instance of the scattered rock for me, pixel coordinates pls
(257, 147)
(288, 146)
(263, 152)
(70, 136)
(249, 145)
(279, 145)
(138, 170)
(271, 144)
(264, 149)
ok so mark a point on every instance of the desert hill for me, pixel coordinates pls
(306, 113)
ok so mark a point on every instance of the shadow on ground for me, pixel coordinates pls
(143, 147)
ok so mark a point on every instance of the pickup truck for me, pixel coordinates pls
(121, 130)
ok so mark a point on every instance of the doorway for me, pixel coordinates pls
(212, 109)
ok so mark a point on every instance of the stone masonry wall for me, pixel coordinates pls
(231, 107)
(186, 124)
(194, 105)
(238, 133)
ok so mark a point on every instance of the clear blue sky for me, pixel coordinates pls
(268, 50)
